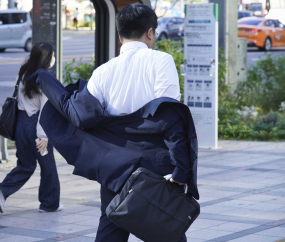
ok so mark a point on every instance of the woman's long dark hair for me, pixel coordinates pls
(40, 58)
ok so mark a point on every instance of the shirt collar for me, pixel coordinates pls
(132, 45)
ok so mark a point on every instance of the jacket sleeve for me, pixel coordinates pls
(176, 139)
(75, 106)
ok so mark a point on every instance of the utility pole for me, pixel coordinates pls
(91, 15)
(182, 8)
(11, 4)
(228, 39)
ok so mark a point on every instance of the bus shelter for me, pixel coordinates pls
(107, 43)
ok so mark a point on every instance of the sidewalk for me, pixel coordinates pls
(242, 189)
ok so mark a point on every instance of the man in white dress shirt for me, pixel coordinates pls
(126, 83)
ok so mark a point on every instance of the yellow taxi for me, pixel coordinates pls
(262, 32)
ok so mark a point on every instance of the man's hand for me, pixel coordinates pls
(42, 146)
(171, 180)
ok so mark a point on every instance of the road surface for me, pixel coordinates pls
(76, 44)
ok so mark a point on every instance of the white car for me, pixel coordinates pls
(15, 30)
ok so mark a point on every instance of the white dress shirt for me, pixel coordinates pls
(32, 106)
(138, 75)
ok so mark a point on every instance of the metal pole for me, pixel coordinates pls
(3, 150)
(11, 4)
(59, 42)
(182, 8)
(91, 16)
(65, 17)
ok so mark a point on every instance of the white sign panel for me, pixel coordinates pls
(201, 70)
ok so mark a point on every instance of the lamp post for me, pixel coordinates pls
(11, 4)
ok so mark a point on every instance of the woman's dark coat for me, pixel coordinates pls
(160, 136)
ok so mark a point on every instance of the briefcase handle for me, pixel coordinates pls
(167, 178)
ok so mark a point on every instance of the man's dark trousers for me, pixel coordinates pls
(107, 231)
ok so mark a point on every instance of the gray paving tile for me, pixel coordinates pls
(275, 193)
(244, 212)
(234, 227)
(94, 222)
(18, 238)
(48, 240)
(277, 231)
(207, 234)
(29, 233)
(237, 203)
(229, 237)
(266, 206)
(39, 225)
(235, 219)
(13, 221)
(272, 215)
(67, 228)
(94, 212)
(222, 188)
(253, 238)
(277, 223)
(35, 214)
(81, 239)
(216, 201)
(216, 209)
(87, 231)
(64, 237)
(2, 235)
(206, 223)
(73, 218)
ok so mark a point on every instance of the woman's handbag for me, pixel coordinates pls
(8, 118)
(152, 208)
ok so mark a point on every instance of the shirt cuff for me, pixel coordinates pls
(180, 176)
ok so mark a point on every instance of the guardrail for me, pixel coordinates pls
(3, 150)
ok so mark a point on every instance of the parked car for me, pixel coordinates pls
(168, 27)
(261, 32)
(15, 30)
(244, 14)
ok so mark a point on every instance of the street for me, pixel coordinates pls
(253, 54)
(76, 44)
(79, 44)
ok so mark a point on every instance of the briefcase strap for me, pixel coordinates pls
(16, 89)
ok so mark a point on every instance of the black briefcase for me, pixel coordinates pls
(152, 208)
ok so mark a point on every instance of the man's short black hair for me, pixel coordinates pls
(135, 20)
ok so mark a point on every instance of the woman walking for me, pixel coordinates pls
(30, 103)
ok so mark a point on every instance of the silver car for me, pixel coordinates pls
(15, 30)
(168, 27)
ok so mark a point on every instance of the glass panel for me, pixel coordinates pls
(4, 18)
(250, 22)
(18, 18)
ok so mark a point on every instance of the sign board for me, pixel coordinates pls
(201, 70)
(46, 17)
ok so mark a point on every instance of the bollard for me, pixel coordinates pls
(3, 150)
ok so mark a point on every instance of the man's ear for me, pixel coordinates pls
(121, 40)
(149, 34)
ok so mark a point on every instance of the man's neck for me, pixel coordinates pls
(133, 40)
